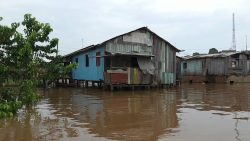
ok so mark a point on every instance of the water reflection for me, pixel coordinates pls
(190, 112)
(120, 115)
(218, 96)
(213, 112)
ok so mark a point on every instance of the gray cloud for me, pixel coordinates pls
(191, 27)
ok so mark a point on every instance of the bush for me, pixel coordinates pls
(9, 103)
(28, 92)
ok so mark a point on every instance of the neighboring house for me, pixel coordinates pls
(139, 57)
(219, 67)
(178, 68)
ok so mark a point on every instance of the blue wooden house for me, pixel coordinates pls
(139, 57)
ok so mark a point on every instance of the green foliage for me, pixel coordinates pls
(7, 94)
(28, 92)
(9, 104)
(212, 51)
(27, 57)
(8, 109)
(196, 53)
(56, 69)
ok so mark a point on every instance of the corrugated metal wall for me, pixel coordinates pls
(165, 62)
(216, 66)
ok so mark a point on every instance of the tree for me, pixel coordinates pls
(27, 57)
(196, 53)
(212, 51)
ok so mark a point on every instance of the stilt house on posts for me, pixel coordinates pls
(223, 67)
(139, 57)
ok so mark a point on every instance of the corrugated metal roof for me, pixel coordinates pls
(80, 51)
(98, 45)
(216, 55)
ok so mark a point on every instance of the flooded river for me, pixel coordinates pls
(192, 112)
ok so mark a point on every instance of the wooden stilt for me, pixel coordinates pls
(86, 84)
(111, 88)
(133, 88)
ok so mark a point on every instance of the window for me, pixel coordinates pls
(98, 58)
(86, 60)
(184, 65)
(233, 64)
(76, 60)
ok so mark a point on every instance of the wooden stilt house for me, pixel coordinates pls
(139, 57)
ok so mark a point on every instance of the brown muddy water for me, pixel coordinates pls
(193, 112)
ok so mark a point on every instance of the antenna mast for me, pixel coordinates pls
(246, 42)
(233, 36)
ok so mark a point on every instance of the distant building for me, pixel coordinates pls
(139, 57)
(226, 66)
(178, 68)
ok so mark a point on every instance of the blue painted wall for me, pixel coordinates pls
(92, 72)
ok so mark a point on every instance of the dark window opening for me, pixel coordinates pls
(98, 58)
(184, 65)
(86, 60)
(134, 63)
(76, 60)
(233, 64)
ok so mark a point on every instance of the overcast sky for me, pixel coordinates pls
(190, 25)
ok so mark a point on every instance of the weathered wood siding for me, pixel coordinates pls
(216, 66)
(131, 76)
(137, 43)
(192, 67)
(241, 67)
(178, 68)
(141, 37)
(205, 66)
(145, 43)
(164, 61)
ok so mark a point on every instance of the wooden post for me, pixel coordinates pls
(133, 88)
(86, 84)
(148, 87)
(98, 84)
(111, 87)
